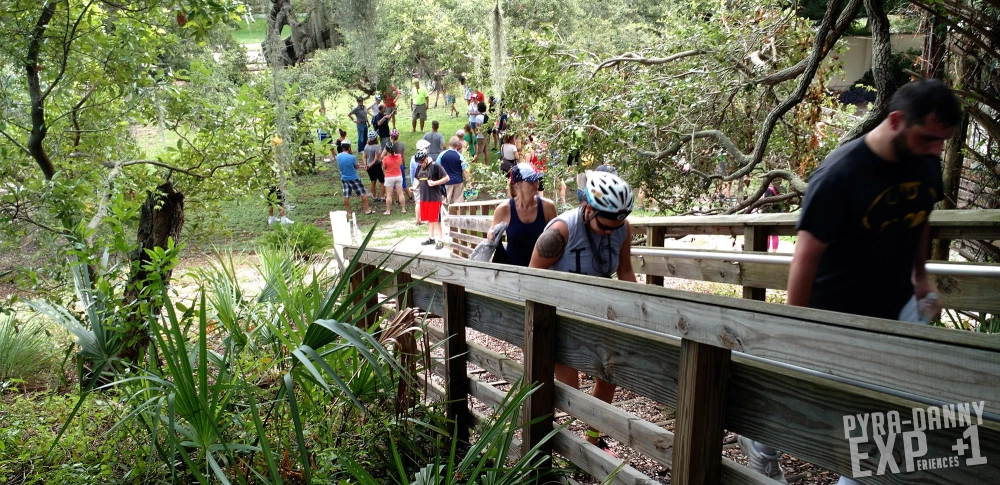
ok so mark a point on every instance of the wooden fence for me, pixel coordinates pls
(963, 286)
(786, 376)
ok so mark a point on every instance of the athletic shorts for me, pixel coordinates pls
(355, 186)
(392, 182)
(449, 99)
(390, 111)
(375, 174)
(420, 112)
(430, 211)
(275, 197)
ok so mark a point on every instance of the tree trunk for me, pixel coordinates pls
(312, 33)
(936, 35)
(161, 219)
(953, 162)
(881, 59)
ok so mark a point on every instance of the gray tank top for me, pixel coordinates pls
(579, 255)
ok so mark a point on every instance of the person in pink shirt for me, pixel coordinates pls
(391, 164)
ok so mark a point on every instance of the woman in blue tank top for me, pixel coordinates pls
(526, 214)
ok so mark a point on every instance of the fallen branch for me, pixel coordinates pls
(646, 61)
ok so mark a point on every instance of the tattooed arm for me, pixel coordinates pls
(550, 245)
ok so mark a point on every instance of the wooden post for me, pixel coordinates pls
(455, 355)
(539, 368)
(755, 239)
(701, 412)
(654, 239)
(357, 280)
(404, 299)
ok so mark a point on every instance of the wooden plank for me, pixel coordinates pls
(460, 250)
(799, 413)
(969, 292)
(654, 239)
(965, 224)
(804, 416)
(475, 223)
(466, 238)
(972, 293)
(640, 435)
(456, 379)
(755, 240)
(701, 408)
(688, 268)
(623, 356)
(539, 366)
(596, 462)
(956, 365)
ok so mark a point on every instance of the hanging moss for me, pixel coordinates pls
(498, 52)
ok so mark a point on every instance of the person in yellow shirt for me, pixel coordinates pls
(418, 103)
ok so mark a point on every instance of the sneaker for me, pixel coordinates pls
(603, 445)
(439, 245)
(285, 220)
(271, 220)
(763, 463)
(427, 242)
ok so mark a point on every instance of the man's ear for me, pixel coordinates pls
(897, 121)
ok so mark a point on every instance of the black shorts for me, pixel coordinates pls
(375, 173)
(275, 197)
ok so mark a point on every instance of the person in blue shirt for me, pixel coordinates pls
(451, 160)
(352, 183)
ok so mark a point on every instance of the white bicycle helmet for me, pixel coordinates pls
(609, 195)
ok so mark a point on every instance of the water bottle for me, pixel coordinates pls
(925, 307)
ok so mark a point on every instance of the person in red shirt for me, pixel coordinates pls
(389, 100)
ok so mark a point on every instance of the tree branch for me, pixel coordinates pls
(881, 57)
(789, 73)
(646, 61)
(753, 201)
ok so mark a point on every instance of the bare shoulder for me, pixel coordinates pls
(552, 242)
(502, 211)
(549, 209)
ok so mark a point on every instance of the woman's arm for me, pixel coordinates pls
(500, 214)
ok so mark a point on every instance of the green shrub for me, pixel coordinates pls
(25, 349)
(303, 239)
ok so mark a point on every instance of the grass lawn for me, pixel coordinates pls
(255, 33)
(314, 196)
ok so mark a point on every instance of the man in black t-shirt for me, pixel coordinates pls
(431, 177)
(863, 233)
(381, 124)
(863, 236)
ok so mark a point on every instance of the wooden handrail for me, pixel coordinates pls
(799, 336)
(633, 335)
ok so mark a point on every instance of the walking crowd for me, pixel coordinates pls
(859, 250)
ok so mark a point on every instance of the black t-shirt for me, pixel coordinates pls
(872, 214)
(383, 129)
(432, 171)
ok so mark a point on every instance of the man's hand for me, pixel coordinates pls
(922, 286)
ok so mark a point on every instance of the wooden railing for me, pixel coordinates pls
(786, 376)
(963, 286)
